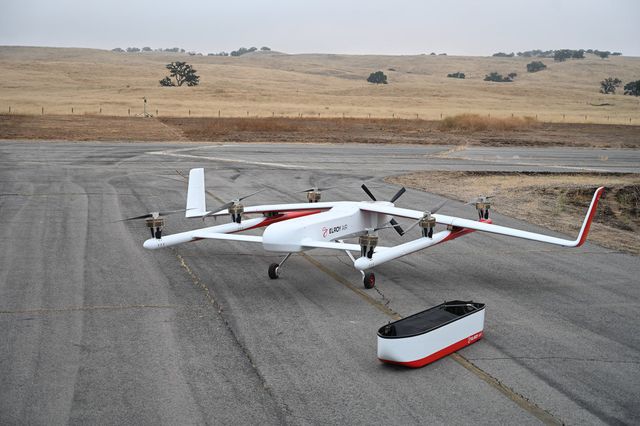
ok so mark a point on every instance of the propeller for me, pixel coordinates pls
(315, 193)
(393, 222)
(483, 204)
(427, 218)
(233, 207)
(154, 215)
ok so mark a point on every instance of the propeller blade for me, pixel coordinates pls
(412, 226)
(320, 189)
(152, 214)
(144, 216)
(366, 190)
(397, 227)
(250, 195)
(222, 207)
(439, 206)
(398, 194)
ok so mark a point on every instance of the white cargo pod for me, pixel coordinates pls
(427, 336)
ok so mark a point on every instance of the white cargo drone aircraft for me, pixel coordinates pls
(292, 228)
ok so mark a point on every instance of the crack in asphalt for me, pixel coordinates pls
(285, 410)
(560, 358)
(89, 308)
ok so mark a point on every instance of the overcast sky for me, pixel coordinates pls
(460, 27)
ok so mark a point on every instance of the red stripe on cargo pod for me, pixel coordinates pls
(440, 354)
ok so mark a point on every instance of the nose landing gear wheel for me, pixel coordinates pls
(274, 272)
(369, 280)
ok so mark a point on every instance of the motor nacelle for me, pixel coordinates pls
(155, 224)
(427, 223)
(236, 211)
(314, 196)
(368, 244)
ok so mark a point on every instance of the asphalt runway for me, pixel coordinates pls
(95, 329)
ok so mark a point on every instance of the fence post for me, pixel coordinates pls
(440, 116)
(189, 113)
(129, 112)
(156, 112)
(585, 118)
(218, 113)
(100, 110)
(71, 110)
(9, 110)
(562, 117)
(247, 113)
(416, 116)
(42, 110)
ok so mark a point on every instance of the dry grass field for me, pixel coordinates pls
(463, 132)
(552, 200)
(312, 85)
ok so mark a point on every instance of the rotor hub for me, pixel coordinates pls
(313, 196)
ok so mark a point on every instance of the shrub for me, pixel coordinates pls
(146, 49)
(632, 88)
(609, 85)
(494, 76)
(504, 55)
(512, 75)
(132, 49)
(456, 75)
(535, 66)
(117, 49)
(377, 77)
(265, 48)
(166, 82)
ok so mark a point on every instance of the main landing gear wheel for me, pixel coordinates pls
(274, 272)
(369, 280)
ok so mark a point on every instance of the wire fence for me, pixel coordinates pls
(429, 115)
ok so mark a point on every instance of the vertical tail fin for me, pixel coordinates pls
(196, 203)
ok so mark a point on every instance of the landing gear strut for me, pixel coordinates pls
(274, 268)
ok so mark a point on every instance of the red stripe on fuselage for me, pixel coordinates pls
(282, 217)
(440, 354)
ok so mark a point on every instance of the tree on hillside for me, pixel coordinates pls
(117, 49)
(494, 76)
(632, 88)
(182, 73)
(609, 85)
(133, 49)
(456, 75)
(265, 48)
(562, 55)
(535, 66)
(377, 77)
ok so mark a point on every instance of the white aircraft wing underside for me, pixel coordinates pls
(227, 237)
(335, 245)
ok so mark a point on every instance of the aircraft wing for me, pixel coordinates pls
(335, 245)
(457, 222)
(279, 208)
(227, 237)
